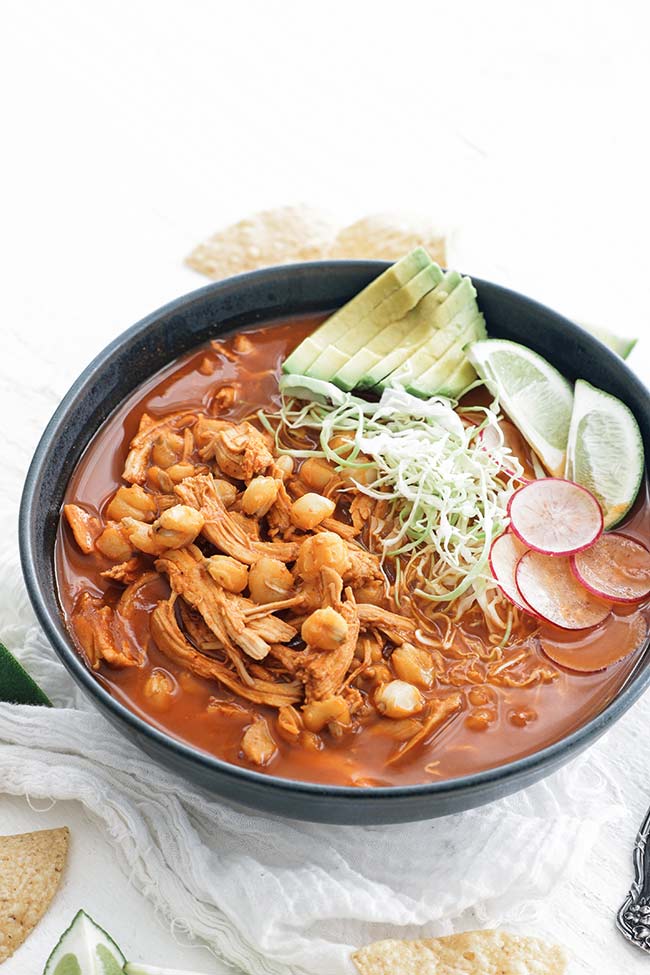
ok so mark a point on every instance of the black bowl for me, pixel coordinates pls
(180, 326)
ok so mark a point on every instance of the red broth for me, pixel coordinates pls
(523, 719)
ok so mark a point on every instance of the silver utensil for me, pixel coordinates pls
(633, 919)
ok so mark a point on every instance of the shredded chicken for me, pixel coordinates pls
(197, 630)
(170, 641)
(257, 743)
(126, 572)
(364, 568)
(249, 526)
(103, 636)
(279, 514)
(229, 709)
(189, 578)
(340, 527)
(323, 671)
(222, 530)
(85, 527)
(239, 450)
(361, 509)
(149, 431)
(224, 399)
(271, 628)
(398, 629)
(128, 601)
(439, 712)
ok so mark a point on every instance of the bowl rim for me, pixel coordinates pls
(635, 683)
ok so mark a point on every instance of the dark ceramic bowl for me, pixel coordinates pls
(226, 307)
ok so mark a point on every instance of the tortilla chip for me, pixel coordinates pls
(387, 237)
(30, 870)
(271, 237)
(471, 953)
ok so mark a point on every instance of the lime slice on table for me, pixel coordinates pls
(619, 343)
(605, 450)
(536, 397)
(85, 949)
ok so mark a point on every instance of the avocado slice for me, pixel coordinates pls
(409, 331)
(456, 384)
(380, 353)
(450, 281)
(400, 339)
(361, 332)
(391, 280)
(427, 354)
(437, 377)
(464, 294)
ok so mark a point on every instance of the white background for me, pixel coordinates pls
(132, 130)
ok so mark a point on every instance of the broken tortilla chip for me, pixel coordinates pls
(282, 236)
(300, 233)
(471, 953)
(30, 870)
(387, 237)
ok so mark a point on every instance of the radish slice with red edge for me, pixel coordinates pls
(505, 553)
(617, 567)
(555, 516)
(617, 639)
(489, 439)
(547, 584)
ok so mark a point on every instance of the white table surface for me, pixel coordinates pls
(134, 129)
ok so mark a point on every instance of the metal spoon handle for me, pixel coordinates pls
(633, 919)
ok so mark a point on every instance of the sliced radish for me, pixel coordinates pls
(505, 553)
(548, 586)
(555, 517)
(617, 567)
(513, 440)
(617, 639)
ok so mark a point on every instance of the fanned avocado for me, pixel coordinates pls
(347, 317)
(450, 281)
(406, 333)
(391, 344)
(362, 331)
(456, 384)
(437, 377)
(430, 352)
(397, 341)
(462, 296)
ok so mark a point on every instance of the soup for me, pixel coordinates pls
(231, 585)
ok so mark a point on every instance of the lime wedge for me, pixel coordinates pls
(536, 397)
(605, 450)
(619, 343)
(85, 949)
(16, 686)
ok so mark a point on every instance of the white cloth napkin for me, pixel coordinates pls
(268, 895)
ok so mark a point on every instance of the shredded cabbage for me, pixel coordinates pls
(444, 493)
